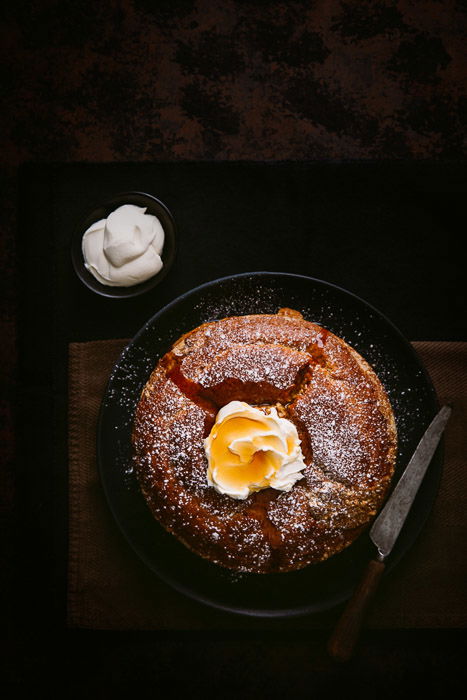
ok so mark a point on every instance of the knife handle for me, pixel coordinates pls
(342, 642)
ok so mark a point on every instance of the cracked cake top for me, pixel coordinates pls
(311, 377)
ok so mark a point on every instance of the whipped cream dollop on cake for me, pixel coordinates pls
(249, 450)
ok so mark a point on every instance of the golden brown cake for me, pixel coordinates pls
(311, 377)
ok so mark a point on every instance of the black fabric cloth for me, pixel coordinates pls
(388, 232)
(385, 231)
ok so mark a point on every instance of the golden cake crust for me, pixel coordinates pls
(316, 380)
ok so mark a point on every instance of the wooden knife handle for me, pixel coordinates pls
(342, 642)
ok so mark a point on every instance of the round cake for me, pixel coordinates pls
(333, 423)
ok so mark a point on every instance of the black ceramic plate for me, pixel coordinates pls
(318, 586)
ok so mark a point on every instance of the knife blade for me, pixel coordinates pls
(389, 523)
(384, 533)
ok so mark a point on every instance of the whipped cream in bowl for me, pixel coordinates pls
(125, 246)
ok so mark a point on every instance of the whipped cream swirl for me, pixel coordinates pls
(249, 450)
(124, 249)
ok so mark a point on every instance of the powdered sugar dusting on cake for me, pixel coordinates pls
(254, 363)
(348, 435)
(338, 405)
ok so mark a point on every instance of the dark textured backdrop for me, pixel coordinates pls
(132, 80)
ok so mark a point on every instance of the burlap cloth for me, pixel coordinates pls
(110, 588)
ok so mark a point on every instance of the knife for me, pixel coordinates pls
(383, 534)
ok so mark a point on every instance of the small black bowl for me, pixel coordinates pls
(139, 199)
